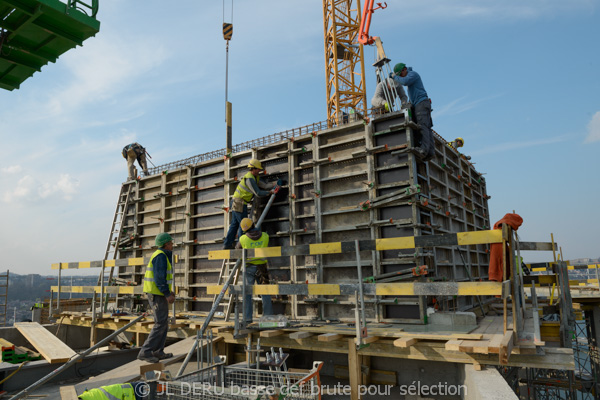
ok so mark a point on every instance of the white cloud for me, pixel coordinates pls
(498, 148)
(417, 11)
(30, 190)
(13, 169)
(459, 105)
(594, 129)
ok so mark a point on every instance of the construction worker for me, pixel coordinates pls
(121, 391)
(379, 99)
(249, 186)
(422, 104)
(158, 286)
(132, 152)
(456, 143)
(256, 268)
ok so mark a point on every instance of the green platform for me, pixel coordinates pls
(35, 32)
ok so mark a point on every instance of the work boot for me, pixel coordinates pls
(162, 356)
(149, 359)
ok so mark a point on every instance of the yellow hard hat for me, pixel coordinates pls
(254, 163)
(246, 224)
(462, 141)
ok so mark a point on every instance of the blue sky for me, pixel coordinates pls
(519, 82)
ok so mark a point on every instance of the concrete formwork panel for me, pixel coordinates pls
(330, 174)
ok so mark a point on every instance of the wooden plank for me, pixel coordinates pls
(48, 345)
(475, 346)
(506, 347)
(271, 333)
(329, 337)
(300, 335)
(450, 336)
(368, 339)
(354, 361)
(131, 371)
(405, 342)
(453, 345)
(68, 393)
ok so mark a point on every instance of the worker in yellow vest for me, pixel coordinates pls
(456, 143)
(256, 268)
(249, 186)
(158, 286)
(124, 391)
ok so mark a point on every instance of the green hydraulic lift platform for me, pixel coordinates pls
(35, 32)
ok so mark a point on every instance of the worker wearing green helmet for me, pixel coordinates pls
(418, 97)
(158, 286)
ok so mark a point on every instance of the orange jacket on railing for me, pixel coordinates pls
(496, 270)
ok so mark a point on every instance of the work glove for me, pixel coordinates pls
(392, 75)
(387, 107)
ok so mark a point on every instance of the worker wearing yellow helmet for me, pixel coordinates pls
(256, 268)
(250, 186)
(456, 143)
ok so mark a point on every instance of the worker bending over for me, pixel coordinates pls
(379, 99)
(132, 152)
(158, 286)
(418, 97)
(121, 391)
(249, 186)
(256, 268)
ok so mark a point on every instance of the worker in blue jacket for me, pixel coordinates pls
(158, 286)
(418, 97)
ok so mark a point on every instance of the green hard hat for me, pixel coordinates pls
(162, 239)
(399, 67)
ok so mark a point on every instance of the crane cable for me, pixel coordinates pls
(227, 34)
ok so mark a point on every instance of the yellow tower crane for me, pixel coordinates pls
(344, 60)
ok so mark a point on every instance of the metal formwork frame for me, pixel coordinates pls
(343, 183)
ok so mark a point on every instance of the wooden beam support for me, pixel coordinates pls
(300, 335)
(272, 333)
(329, 337)
(506, 347)
(405, 342)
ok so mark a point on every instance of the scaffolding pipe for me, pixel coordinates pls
(73, 360)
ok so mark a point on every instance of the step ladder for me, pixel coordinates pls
(223, 274)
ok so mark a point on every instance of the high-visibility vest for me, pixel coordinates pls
(113, 392)
(149, 283)
(248, 243)
(242, 190)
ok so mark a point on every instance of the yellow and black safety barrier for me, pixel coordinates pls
(122, 262)
(547, 266)
(375, 289)
(397, 243)
(98, 289)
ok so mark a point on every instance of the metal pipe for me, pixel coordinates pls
(198, 350)
(59, 287)
(209, 317)
(360, 285)
(244, 289)
(266, 210)
(73, 360)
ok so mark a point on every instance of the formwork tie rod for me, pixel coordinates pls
(73, 360)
